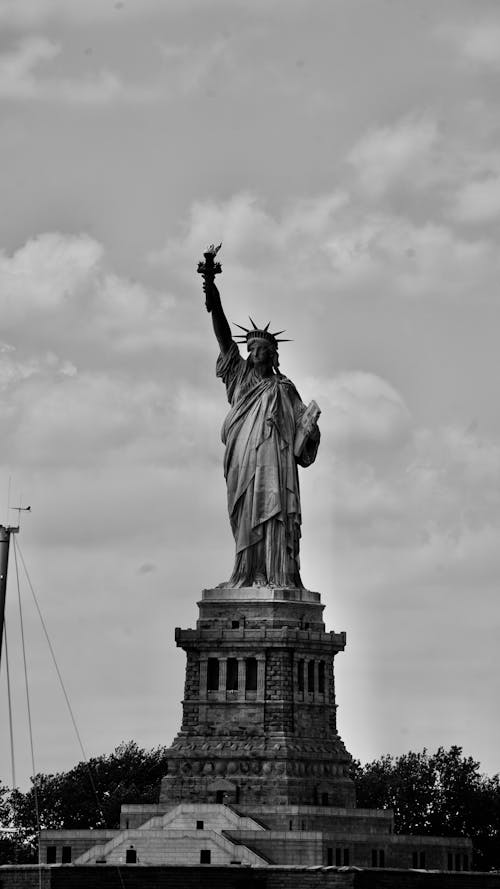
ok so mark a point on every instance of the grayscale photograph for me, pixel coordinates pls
(250, 444)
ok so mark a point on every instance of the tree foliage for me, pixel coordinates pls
(88, 795)
(439, 794)
(8, 839)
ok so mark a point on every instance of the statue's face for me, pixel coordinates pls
(261, 355)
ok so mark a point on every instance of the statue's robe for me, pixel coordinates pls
(261, 472)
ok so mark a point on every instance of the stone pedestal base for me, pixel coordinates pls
(259, 712)
(257, 771)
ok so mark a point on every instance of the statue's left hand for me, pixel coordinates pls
(314, 432)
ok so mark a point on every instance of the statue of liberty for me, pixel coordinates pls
(267, 433)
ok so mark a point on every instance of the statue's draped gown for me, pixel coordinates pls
(261, 473)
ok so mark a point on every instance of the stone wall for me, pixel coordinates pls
(331, 820)
(77, 840)
(254, 614)
(136, 877)
(24, 877)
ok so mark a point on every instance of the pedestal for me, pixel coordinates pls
(259, 712)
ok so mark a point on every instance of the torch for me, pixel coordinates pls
(209, 269)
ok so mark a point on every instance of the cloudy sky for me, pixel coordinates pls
(346, 153)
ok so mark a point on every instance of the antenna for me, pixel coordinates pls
(19, 509)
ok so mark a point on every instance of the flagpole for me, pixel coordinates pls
(5, 532)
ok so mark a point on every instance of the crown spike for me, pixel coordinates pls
(262, 333)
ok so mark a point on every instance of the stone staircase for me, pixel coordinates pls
(175, 838)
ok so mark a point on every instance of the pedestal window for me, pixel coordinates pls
(310, 677)
(300, 675)
(213, 674)
(232, 674)
(321, 677)
(251, 674)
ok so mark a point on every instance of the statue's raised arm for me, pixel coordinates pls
(220, 323)
(268, 433)
(209, 269)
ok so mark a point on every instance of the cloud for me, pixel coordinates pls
(99, 89)
(208, 65)
(187, 68)
(253, 233)
(482, 44)
(62, 283)
(436, 497)
(17, 66)
(43, 274)
(258, 246)
(427, 261)
(333, 243)
(58, 419)
(478, 43)
(386, 156)
(53, 415)
(396, 503)
(362, 411)
(91, 376)
(14, 371)
(400, 501)
(478, 201)
(20, 79)
(463, 459)
(29, 13)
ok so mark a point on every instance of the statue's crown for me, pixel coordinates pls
(258, 333)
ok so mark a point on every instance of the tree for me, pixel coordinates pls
(13, 847)
(7, 852)
(440, 794)
(88, 795)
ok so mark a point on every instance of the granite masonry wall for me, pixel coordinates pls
(136, 877)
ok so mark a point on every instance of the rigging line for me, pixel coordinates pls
(9, 699)
(30, 725)
(120, 875)
(52, 652)
(17, 548)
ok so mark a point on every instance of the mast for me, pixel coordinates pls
(5, 532)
